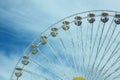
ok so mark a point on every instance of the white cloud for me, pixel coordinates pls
(36, 15)
(7, 65)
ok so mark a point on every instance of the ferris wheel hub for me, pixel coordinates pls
(78, 78)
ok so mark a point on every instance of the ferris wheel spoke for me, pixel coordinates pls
(55, 53)
(48, 59)
(91, 37)
(90, 46)
(107, 50)
(64, 51)
(93, 48)
(110, 38)
(97, 54)
(79, 33)
(118, 76)
(40, 65)
(96, 35)
(108, 32)
(73, 50)
(94, 41)
(106, 35)
(79, 47)
(103, 43)
(91, 33)
(36, 74)
(82, 49)
(43, 54)
(104, 53)
(111, 73)
(97, 48)
(112, 55)
(112, 65)
(52, 63)
(107, 62)
(86, 43)
(118, 34)
(87, 38)
(113, 41)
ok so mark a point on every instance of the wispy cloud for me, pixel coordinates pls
(28, 18)
(36, 15)
(7, 65)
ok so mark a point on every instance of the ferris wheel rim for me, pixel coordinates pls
(55, 24)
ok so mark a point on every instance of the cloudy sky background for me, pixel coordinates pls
(22, 20)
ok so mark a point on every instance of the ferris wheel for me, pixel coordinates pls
(83, 46)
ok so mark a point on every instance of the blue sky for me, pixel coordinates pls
(22, 20)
